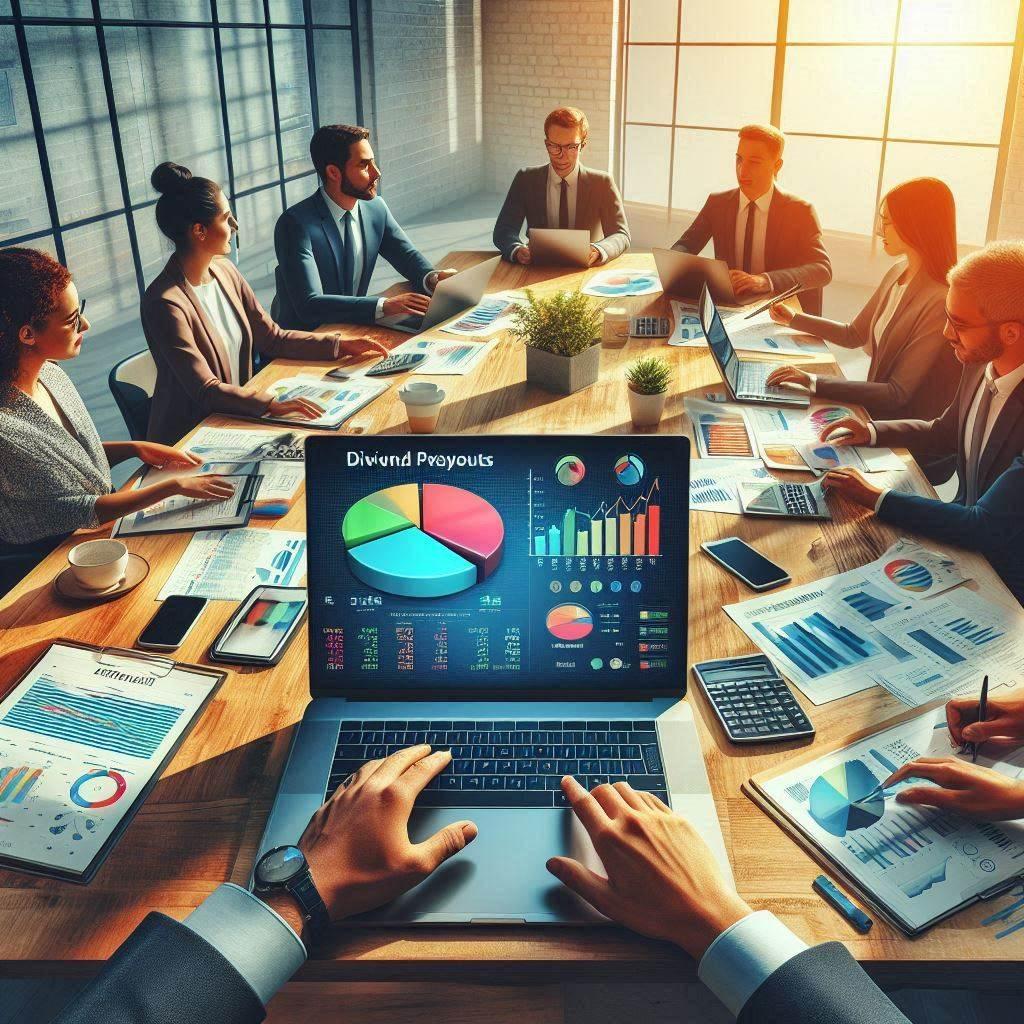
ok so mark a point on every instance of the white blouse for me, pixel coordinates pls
(888, 311)
(224, 318)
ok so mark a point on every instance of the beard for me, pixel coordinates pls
(359, 193)
(985, 351)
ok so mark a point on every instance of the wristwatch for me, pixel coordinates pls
(284, 869)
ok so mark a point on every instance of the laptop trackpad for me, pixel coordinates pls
(501, 876)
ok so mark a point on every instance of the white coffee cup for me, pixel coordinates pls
(423, 403)
(615, 327)
(99, 564)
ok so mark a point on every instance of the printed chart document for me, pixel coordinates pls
(447, 358)
(229, 444)
(916, 865)
(339, 399)
(491, 314)
(846, 633)
(616, 284)
(721, 431)
(224, 565)
(714, 483)
(82, 738)
(758, 334)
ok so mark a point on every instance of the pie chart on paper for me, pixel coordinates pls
(423, 541)
(845, 798)
(570, 622)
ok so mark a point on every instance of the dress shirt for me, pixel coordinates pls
(760, 211)
(745, 955)
(218, 308)
(338, 212)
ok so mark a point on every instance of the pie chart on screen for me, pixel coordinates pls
(429, 540)
(570, 622)
(570, 470)
(629, 469)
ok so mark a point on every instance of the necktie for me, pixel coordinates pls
(977, 435)
(348, 255)
(563, 206)
(748, 238)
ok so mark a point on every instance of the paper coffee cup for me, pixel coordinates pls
(99, 564)
(615, 328)
(423, 404)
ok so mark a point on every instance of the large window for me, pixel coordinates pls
(868, 92)
(95, 93)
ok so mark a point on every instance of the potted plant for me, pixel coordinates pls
(562, 333)
(648, 379)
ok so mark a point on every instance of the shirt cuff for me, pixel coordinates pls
(379, 314)
(881, 498)
(872, 435)
(602, 255)
(812, 384)
(430, 282)
(255, 940)
(515, 249)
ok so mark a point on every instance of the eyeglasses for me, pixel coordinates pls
(958, 327)
(78, 318)
(556, 150)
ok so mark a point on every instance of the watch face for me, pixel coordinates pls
(280, 865)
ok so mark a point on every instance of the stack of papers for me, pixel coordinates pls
(714, 483)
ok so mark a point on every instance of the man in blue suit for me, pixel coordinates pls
(327, 245)
(983, 427)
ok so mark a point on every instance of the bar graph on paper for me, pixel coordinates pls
(616, 527)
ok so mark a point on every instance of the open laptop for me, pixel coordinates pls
(522, 601)
(451, 296)
(745, 379)
(560, 247)
(683, 276)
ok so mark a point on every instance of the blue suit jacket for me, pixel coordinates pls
(309, 249)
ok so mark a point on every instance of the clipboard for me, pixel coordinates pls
(754, 789)
(83, 807)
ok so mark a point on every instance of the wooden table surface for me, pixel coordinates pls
(202, 823)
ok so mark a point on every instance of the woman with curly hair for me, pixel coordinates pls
(54, 469)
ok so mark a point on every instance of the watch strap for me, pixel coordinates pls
(311, 903)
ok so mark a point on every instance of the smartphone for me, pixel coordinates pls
(262, 627)
(746, 563)
(173, 622)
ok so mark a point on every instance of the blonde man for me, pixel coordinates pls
(983, 427)
(770, 239)
(562, 193)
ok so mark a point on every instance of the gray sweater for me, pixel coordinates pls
(49, 478)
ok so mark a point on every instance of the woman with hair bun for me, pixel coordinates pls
(913, 372)
(202, 321)
(54, 469)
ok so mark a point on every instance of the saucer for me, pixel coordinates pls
(67, 586)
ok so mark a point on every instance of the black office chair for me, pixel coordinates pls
(132, 382)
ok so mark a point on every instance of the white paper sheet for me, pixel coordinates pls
(617, 284)
(713, 483)
(447, 358)
(491, 314)
(340, 399)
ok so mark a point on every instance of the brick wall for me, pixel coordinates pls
(540, 54)
(427, 100)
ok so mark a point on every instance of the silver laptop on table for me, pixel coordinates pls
(684, 275)
(560, 247)
(746, 380)
(521, 601)
(451, 296)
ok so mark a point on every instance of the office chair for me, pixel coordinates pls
(132, 382)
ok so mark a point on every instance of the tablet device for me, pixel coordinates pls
(260, 631)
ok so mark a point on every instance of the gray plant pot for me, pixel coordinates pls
(563, 374)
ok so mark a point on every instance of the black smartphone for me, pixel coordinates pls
(172, 623)
(746, 563)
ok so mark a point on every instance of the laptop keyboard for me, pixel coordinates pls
(511, 763)
(752, 379)
(799, 499)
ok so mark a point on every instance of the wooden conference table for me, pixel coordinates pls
(202, 823)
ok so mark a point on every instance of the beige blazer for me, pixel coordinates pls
(193, 373)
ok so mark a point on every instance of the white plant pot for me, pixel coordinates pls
(646, 410)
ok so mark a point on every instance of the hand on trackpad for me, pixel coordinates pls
(581, 846)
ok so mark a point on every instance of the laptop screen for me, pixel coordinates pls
(500, 565)
(718, 341)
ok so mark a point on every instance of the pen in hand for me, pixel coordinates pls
(982, 711)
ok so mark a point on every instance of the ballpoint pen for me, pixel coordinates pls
(982, 710)
(788, 293)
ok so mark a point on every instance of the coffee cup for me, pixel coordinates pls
(99, 564)
(615, 327)
(422, 400)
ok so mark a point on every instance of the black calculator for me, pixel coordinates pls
(397, 362)
(649, 327)
(752, 701)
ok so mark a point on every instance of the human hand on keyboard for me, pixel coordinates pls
(850, 484)
(662, 878)
(357, 844)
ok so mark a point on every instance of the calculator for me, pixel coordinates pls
(397, 362)
(649, 327)
(791, 500)
(752, 701)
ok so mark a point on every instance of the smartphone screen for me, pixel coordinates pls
(169, 627)
(741, 559)
(266, 623)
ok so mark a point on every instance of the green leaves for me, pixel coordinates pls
(649, 375)
(565, 323)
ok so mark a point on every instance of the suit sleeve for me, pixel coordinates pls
(399, 251)
(811, 267)
(698, 234)
(613, 222)
(302, 281)
(508, 228)
(822, 985)
(165, 974)
(277, 343)
(169, 335)
(924, 437)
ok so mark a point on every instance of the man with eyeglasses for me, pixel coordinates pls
(983, 426)
(563, 194)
